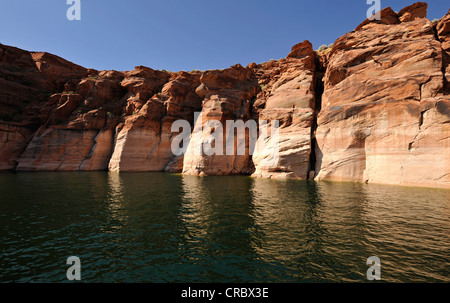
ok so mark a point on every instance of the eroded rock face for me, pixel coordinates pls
(13, 141)
(412, 12)
(384, 115)
(387, 17)
(59, 149)
(443, 33)
(374, 108)
(26, 82)
(288, 97)
(227, 96)
(144, 142)
(77, 126)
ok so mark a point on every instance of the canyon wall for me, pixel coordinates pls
(289, 97)
(374, 108)
(385, 108)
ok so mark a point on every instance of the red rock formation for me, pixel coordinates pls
(26, 82)
(77, 126)
(13, 140)
(387, 16)
(227, 95)
(412, 12)
(288, 96)
(143, 142)
(376, 108)
(443, 33)
(385, 116)
(61, 149)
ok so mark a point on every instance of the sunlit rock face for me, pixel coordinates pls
(153, 102)
(227, 96)
(373, 108)
(288, 97)
(385, 111)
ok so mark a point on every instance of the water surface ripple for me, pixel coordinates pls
(155, 227)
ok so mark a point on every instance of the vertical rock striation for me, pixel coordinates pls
(289, 97)
(385, 116)
(374, 108)
(227, 96)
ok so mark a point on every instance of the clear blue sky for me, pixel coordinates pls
(182, 34)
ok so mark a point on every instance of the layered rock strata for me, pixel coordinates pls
(375, 108)
(288, 97)
(385, 109)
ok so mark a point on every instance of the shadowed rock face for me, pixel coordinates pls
(443, 34)
(381, 114)
(13, 140)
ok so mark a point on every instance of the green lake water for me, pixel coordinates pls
(156, 227)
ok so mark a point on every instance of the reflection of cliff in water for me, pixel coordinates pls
(326, 231)
(169, 228)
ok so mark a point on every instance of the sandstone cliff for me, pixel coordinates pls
(374, 108)
(385, 108)
(289, 97)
